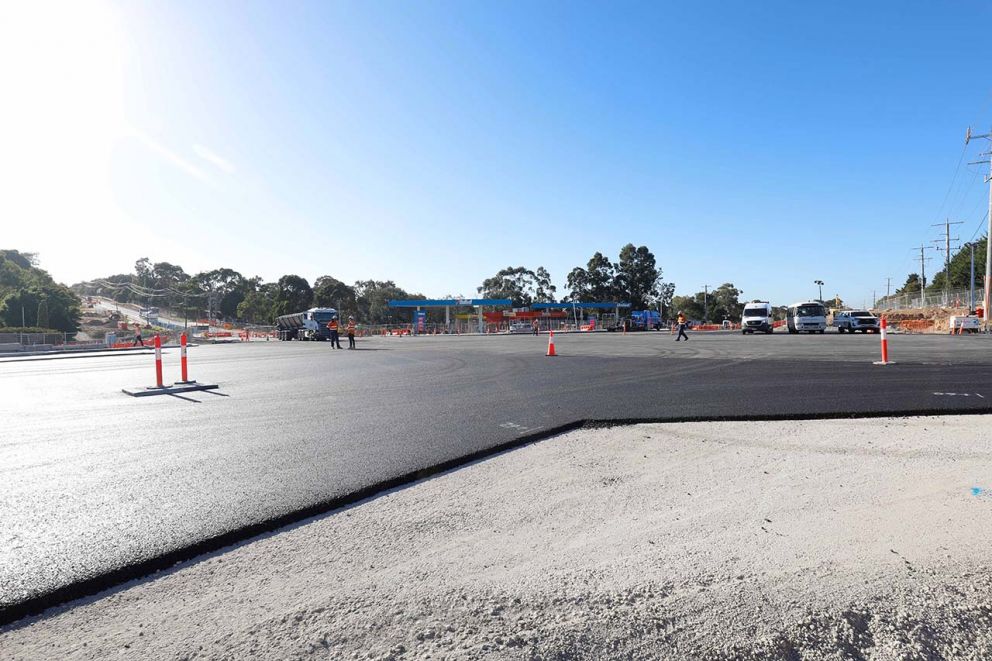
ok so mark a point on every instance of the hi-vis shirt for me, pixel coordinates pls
(351, 328)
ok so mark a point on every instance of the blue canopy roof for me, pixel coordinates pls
(605, 305)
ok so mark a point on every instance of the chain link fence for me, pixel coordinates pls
(958, 298)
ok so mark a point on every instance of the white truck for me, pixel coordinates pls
(308, 325)
(757, 317)
(807, 317)
(852, 321)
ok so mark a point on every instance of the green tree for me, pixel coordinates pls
(42, 313)
(372, 300)
(960, 271)
(544, 291)
(515, 283)
(724, 303)
(595, 282)
(259, 305)
(293, 294)
(911, 286)
(28, 292)
(330, 292)
(666, 294)
(690, 306)
(636, 277)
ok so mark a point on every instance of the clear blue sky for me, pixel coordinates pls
(432, 143)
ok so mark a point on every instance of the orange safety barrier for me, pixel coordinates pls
(914, 325)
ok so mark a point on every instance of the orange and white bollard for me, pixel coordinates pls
(551, 344)
(885, 345)
(158, 362)
(183, 365)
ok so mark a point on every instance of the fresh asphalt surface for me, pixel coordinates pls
(97, 487)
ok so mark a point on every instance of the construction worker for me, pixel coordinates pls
(137, 337)
(332, 326)
(351, 332)
(535, 327)
(681, 322)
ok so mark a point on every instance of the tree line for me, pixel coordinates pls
(634, 278)
(227, 294)
(31, 300)
(224, 293)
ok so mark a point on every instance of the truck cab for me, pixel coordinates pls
(645, 320)
(308, 325)
(757, 317)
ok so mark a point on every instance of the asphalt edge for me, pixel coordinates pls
(13, 614)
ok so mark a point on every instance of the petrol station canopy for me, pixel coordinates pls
(447, 302)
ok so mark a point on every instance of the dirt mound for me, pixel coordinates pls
(924, 320)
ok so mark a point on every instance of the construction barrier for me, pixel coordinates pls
(915, 325)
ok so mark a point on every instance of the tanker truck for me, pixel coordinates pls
(308, 325)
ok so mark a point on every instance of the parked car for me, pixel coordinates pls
(852, 321)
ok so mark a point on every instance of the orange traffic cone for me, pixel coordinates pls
(551, 343)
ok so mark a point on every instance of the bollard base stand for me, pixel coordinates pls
(884, 362)
(174, 389)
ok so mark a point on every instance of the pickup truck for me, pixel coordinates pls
(852, 321)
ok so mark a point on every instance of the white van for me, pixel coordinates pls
(807, 317)
(757, 317)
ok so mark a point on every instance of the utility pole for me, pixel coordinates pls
(706, 309)
(888, 286)
(988, 240)
(923, 271)
(947, 254)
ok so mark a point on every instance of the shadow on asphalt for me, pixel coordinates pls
(185, 399)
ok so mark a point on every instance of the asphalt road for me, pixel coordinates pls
(97, 487)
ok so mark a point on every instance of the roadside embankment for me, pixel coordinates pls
(826, 539)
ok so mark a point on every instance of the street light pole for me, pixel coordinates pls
(971, 283)
(819, 283)
(706, 308)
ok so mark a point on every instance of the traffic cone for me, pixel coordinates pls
(551, 344)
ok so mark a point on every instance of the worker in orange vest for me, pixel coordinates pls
(681, 323)
(332, 326)
(351, 332)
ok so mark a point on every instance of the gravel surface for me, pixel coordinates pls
(824, 539)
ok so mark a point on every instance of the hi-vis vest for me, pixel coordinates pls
(681, 319)
(332, 325)
(351, 328)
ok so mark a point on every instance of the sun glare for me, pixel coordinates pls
(62, 67)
